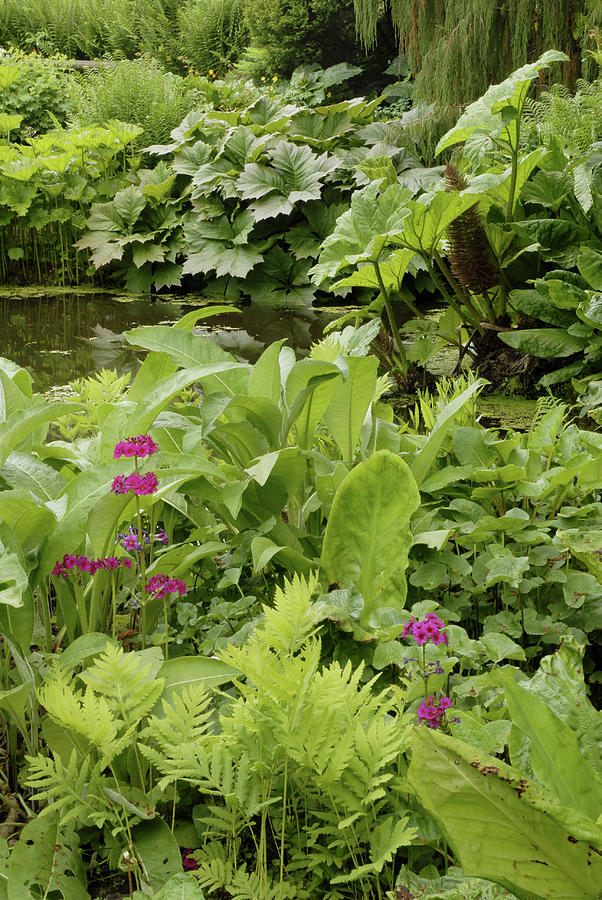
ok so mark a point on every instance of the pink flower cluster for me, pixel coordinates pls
(142, 445)
(427, 629)
(139, 484)
(70, 563)
(432, 711)
(189, 863)
(161, 585)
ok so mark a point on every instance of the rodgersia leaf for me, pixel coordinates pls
(295, 175)
(221, 246)
(363, 231)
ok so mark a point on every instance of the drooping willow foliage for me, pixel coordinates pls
(456, 48)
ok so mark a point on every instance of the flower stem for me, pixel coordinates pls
(142, 567)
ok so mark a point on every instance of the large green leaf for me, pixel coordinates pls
(28, 518)
(559, 682)
(158, 852)
(295, 175)
(310, 386)
(220, 245)
(368, 538)
(82, 493)
(429, 217)
(426, 456)
(189, 671)
(555, 757)
(502, 826)
(13, 432)
(549, 343)
(47, 862)
(487, 113)
(22, 471)
(590, 266)
(350, 402)
(187, 350)
(363, 231)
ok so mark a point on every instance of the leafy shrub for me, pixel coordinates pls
(211, 34)
(40, 92)
(321, 31)
(140, 92)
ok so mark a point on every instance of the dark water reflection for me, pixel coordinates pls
(64, 336)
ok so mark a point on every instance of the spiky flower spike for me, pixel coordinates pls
(469, 253)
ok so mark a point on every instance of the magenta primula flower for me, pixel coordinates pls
(424, 630)
(432, 711)
(161, 585)
(139, 484)
(142, 445)
(69, 563)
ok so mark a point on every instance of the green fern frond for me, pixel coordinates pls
(87, 715)
(131, 690)
(291, 622)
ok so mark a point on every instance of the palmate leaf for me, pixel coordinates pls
(295, 174)
(220, 245)
(362, 232)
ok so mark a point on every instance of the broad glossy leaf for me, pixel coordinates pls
(350, 402)
(536, 305)
(550, 234)
(549, 343)
(47, 861)
(363, 231)
(426, 456)
(25, 472)
(190, 671)
(264, 379)
(590, 311)
(189, 350)
(590, 266)
(367, 537)
(555, 756)
(26, 516)
(485, 114)
(559, 682)
(502, 826)
(14, 432)
(159, 852)
(307, 376)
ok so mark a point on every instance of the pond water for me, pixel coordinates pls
(60, 335)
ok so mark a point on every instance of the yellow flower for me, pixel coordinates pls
(274, 78)
(271, 87)
(329, 94)
(210, 72)
(262, 78)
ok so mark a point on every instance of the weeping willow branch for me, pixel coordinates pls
(456, 48)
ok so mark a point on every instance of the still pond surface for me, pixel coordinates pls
(60, 336)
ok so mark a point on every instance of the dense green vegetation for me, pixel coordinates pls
(272, 630)
(295, 469)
